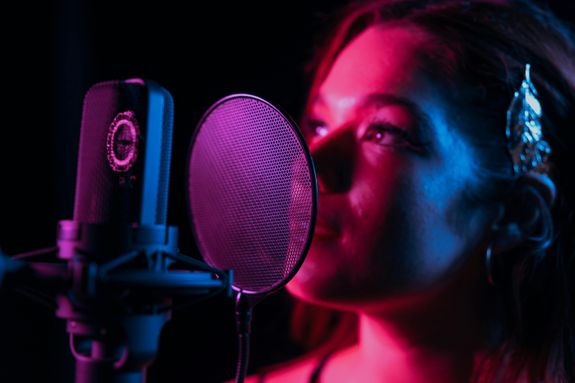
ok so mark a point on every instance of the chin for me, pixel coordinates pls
(325, 289)
(322, 290)
(304, 284)
(313, 287)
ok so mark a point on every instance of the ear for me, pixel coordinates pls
(544, 186)
(524, 217)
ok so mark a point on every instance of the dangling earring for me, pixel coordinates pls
(489, 264)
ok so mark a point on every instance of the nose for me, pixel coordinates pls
(334, 156)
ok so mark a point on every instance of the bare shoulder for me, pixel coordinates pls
(295, 371)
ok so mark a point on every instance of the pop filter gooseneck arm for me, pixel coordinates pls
(244, 310)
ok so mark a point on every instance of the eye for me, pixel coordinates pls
(386, 134)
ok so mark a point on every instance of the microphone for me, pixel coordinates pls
(119, 225)
(124, 155)
(120, 251)
(118, 267)
(123, 168)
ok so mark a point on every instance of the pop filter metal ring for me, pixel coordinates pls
(312, 179)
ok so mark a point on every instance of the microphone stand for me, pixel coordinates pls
(115, 299)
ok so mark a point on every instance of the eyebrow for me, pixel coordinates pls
(423, 120)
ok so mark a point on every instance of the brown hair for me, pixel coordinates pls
(533, 323)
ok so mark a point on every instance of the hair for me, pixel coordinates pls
(533, 316)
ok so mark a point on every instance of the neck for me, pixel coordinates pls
(392, 352)
(436, 342)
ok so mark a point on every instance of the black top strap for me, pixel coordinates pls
(314, 378)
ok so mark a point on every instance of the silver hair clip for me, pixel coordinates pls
(528, 150)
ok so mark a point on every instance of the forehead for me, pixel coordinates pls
(383, 57)
(390, 59)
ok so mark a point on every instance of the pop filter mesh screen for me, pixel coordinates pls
(252, 192)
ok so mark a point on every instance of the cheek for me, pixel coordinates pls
(379, 183)
(380, 236)
(445, 229)
(409, 227)
(412, 226)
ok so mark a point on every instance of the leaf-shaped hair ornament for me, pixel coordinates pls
(528, 150)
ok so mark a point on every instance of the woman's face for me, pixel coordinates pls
(394, 219)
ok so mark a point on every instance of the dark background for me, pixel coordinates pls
(52, 52)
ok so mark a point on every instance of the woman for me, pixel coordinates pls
(447, 256)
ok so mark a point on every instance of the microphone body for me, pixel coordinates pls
(123, 161)
(118, 266)
(124, 154)
(118, 237)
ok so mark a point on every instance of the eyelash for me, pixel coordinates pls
(313, 128)
(382, 128)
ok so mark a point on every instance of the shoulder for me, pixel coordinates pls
(295, 371)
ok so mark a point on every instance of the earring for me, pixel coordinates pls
(489, 265)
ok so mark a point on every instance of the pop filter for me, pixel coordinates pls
(252, 197)
(252, 192)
